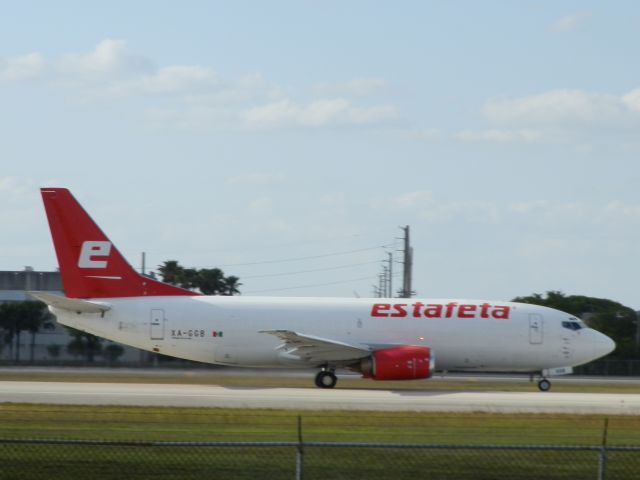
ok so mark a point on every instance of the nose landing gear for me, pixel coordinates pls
(544, 385)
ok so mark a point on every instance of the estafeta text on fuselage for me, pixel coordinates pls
(440, 310)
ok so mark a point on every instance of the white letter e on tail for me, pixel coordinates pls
(91, 249)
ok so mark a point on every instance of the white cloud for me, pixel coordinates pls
(620, 211)
(564, 116)
(26, 67)
(632, 100)
(320, 113)
(412, 199)
(281, 113)
(554, 106)
(371, 115)
(570, 22)
(109, 58)
(112, 71)
(202, 100)
(423, 205)
(565, 107)
(543, 215)
(324, 112)
(243, 90)
(525, 208)
(177, 79)
(499, 136)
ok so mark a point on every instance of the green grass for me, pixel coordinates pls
(114, 463)
(215, 424)
(140, 424)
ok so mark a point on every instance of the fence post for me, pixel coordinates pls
(299, 452)
(602, 464)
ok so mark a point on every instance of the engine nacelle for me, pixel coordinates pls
(407, 362)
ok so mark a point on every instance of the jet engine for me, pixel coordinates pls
(407, 362)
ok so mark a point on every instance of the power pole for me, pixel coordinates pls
(390, 270)
(382, 287)
(385, 281)
(407, 291)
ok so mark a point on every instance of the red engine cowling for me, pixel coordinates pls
(399, 363)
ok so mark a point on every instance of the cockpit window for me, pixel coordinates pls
(573, 325)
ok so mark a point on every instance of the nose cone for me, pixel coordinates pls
(602, 345)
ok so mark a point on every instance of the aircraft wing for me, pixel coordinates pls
(317, 350)
(77, 305)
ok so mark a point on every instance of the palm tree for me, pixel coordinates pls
(232, 286)
(209, 281)
(8, 324)
(171, 271)
(33, 317)
(84, 344)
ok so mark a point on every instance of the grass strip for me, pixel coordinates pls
(123, 423)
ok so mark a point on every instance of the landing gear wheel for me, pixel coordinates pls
(326, 379)
(544, 385)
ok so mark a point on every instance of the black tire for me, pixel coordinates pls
(325, 379)
(544, 385)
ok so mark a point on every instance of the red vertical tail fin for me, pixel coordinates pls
(90, 265)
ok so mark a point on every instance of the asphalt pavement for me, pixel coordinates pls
(316, 399)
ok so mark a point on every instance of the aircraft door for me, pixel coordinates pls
(157, 324)
(536, 328)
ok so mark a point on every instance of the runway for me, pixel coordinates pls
(317, 399)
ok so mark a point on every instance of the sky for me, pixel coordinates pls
(287, 141)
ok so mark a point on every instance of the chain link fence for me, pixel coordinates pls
(65, 459)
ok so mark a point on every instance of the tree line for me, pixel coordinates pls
(208, 281)
(33, 317)
(18, 317)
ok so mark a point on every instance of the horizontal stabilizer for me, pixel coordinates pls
(317, 350)
(71, 304)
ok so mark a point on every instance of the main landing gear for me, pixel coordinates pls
(326, 379)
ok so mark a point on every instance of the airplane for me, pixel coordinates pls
(380, 338)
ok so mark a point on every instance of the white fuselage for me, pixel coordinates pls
(230, 330)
